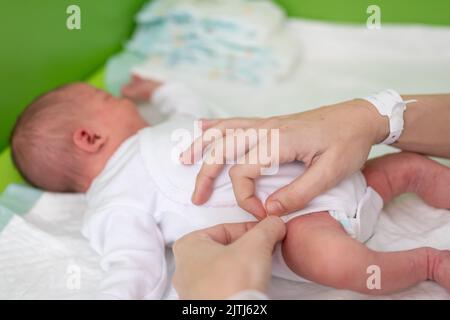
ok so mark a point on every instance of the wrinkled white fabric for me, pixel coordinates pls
(141, 202)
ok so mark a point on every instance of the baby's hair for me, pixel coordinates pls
(41, 142)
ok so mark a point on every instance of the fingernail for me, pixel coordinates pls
(274, 207)
(195, 197)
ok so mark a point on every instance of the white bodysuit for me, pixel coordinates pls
(140, 202)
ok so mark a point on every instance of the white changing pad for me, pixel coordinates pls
(44, 256)
(42, 253)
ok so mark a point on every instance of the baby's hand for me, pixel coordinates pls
(140, 90)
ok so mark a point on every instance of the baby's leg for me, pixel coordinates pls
(317, 248)
(398, 173)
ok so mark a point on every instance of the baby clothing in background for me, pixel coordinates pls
(242, 41)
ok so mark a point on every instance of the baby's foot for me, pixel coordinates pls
(439, 268)
(394, 174)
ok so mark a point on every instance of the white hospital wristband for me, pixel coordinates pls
(389, 103)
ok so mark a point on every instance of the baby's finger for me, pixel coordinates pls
(126, 91)
(136, 78)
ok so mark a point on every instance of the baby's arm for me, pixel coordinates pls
(132, 250)
(170, 98)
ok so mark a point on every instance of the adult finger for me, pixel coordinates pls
(216, 158)
(210, 239)
(212, 132)
(226, 233)
(243, 178)
(264, 235)
(244, 174)
(208, 123)
(204, 183)
(252, 234)
(209, 171)
(323, 174)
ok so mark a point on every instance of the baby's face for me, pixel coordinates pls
(117, 115)
(108, 120)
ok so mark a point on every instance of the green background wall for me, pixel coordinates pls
(38, 52)
(399, 11)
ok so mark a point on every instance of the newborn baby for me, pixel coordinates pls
(81, 139)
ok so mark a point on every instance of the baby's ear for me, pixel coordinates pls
(88, 140)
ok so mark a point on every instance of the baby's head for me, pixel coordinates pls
(64, 138)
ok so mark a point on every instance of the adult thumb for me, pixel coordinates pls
(264, 235)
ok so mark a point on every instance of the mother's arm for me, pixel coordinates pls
(427, 125)
(333, 141)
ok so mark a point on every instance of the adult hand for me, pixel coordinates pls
(333, 142)
(218, 262)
